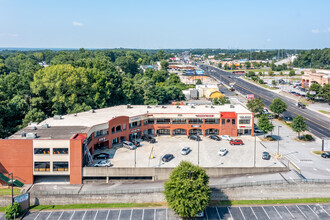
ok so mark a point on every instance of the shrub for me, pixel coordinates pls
(307, 137)
(12, 211)
(261, 81)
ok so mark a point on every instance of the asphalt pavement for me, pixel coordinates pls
(318, 124)
(292, 211)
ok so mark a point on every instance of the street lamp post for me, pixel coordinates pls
(255, 150)
(12, 188)
(278, 141)
(135, 151)
(198, 146)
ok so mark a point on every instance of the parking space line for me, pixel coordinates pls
(325, 210)
(108, 214)
(277, 212)
(289, 211)
(313, 211)
(73, 214)
(230, 213)
(154, 214)
(253, 213)
(37, 215)
(60, 216)
(302, 212)
(49, 215)
(166, 214)
(119, 214)
(130, 217)
(242, 212)
(218, 212)
(143, 214)
(84, 215)
(97, 211)
(265, 212)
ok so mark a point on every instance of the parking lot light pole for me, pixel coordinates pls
(135, 151)
(12, 188)
(255, 150)
(278, 141)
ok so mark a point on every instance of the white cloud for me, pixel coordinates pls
(75, 23)
(13, 35)
(316, 31)
(269, 39)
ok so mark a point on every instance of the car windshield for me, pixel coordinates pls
(222, 150)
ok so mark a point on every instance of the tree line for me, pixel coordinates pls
(78, 81)
(313, 59)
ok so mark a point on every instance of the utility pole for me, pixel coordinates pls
(255, 150)
(12, 188)
(135, 151)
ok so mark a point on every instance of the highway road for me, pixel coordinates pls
(318, 124)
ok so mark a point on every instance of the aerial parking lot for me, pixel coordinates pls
(151, 154)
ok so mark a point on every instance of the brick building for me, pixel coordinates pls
(321, 77)
(62, 145)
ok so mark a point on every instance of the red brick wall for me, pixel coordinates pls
(75, 161)
(17, 156)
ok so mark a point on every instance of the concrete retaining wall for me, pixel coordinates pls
(163, 173)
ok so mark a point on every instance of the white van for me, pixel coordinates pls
(129, 145)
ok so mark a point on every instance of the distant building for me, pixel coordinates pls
(145, 67)
(321, 77)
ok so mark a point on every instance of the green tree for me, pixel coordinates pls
(278, 106)
(128, 65)
(274, 82)
(12, 211)
(317, 88)
(326, 92)
(281, 73)
(271, 73)
(247, 64)
(299, 125)
(220, 101)
(198, 82)
(34, 115)
(264, 124)
(292, 73)
(164, 64)
(187, 191)
(255, 105)
(261, 74)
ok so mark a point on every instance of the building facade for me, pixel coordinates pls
(61, 146)
(318, 77)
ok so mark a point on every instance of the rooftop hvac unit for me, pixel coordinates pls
(45, 126)
(212, 106)
(232, 106)
(192, 106)
(177, 106)
(92, 110)
(75, 114)
(23, 134)
(148, 106)
(129, 106)
(163, 106)
(31, 135)
(57, 117)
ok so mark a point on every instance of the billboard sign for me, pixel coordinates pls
(23, 200)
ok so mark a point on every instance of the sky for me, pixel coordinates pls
(159, 24)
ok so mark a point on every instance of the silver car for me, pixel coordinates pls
(103, 163)
(129, 145)
(185, 150)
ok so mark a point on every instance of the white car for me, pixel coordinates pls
(129, 145)
(223, 152)
(103, 163)
(185, 150)
(226, 137)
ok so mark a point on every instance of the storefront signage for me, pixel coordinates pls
(245, 117)
(179, 115)
(135, 130)
(162, 126)
(244, 126)
(204, 116)
(102, 139)
(21, 198)
(195, 126)
(135, 118)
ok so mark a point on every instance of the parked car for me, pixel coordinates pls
(149, 138)
(215, 137)
(200, 215)
(129, 145)
(222, 152)
(226, 137)
(257, 130)
(167, 157)
(103, 163)
(265, 156)
(236, 142)
(194, 137)
(185, 150)
(288, 119)
(326, 155)
(136, 143)
(101, 156)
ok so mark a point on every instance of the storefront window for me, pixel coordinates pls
(163, 121)
(42, 166)
(211, 121)
(135, 124)
(244, 121)
(233, 121)
(179, 121)
(195, 121)
(60, 150)
(41, 151)
(60, 166)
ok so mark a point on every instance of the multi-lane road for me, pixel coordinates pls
(318, 124)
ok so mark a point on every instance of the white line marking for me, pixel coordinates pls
(49, 215)
(119, 214)
(166, 214)
(230, 213)
(277, 212)
(217, 212)
(302, 212)
(289, 211)
(253, 212)
(241, 212)
(96, 214)
(313, 211)
(37, 216)
(143, 214)
(131, 214)
(108, 214)
(84, 215)
(325, 211)
(60, 216)
(265, 212)
(73, 214)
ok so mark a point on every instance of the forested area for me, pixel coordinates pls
(314, 59)
(77, 81)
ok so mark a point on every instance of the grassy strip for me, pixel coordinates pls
(277, 201)
(317, 152)
(6, 192)
(325, 112)
(96, 206)
(2, 209)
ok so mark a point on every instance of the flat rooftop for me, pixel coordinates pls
(101, 116)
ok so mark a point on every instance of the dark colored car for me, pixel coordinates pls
(149, 138)
(265, 156)
(326, 155)
(194, 137)
(236, 142)
(102, 156)
(136, 143)
(301, 105)
(167, 157)
(288, 119)
(215, 137)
